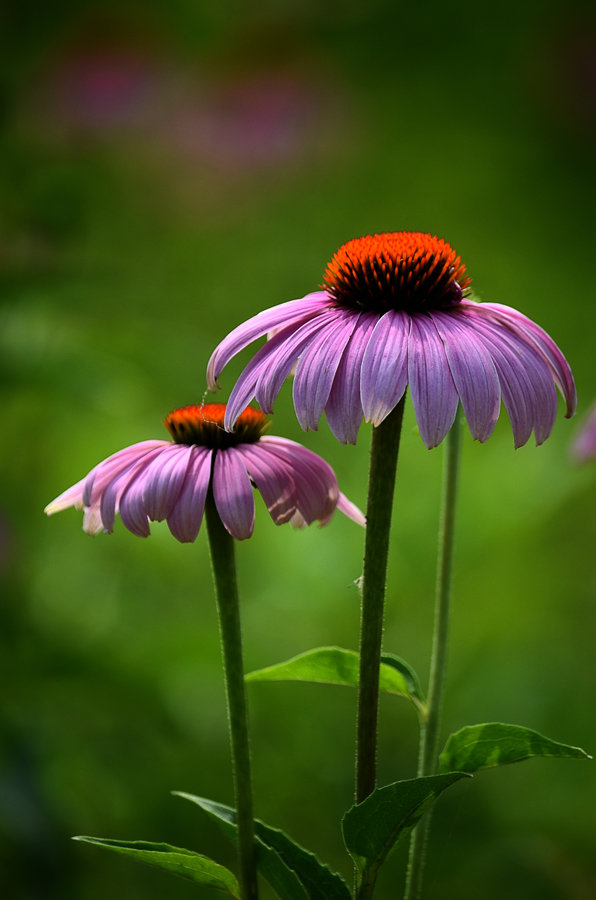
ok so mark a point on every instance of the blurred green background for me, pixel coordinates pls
(169, 170)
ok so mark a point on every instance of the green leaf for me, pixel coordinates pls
(278, 855)
(333, 665)
(496, 744)
(372, 828)
(185, 863)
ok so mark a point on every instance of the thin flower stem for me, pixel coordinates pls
(383, 466)
(429, 733)
(221, 546)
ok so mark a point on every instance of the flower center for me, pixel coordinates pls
(204, 425)
(404, 270)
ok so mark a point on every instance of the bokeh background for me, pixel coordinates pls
(169, 170)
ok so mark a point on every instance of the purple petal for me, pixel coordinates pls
(106, 471)
(163, 481)
(273, 479)
(318, 365)
(385, 366)
(232, 492)
(132, 507)
(546, 347)
(344, 408)
(317, 492)
(292, 312)
(434, 395)
(184, 521)
(526, 380)
(270, 366)
(473, 371)
(110, 496)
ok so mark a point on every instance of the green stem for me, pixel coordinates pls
(429, 734)
(383, 466)
(221, 546)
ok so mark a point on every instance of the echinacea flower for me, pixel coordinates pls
(156, 480)
(394, 311)
(583, 448)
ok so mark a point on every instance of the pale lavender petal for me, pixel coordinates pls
(269, 367)
(163, 481)
(434, 395)
(318, 365)
(273, 479)
(92, 523)
(384, 374)
(232, 492)
(344, 408)
(110, 496)
(185, 519)
(526, 380)
(545, 346)
(473, 371)
(350, 510)
(73, 496)
(583, 448)
(293, 311)
(107, 470)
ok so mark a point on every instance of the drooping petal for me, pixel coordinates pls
(546, 347)
(109, 498)
(270, 366)
(317, 492)
(433, 391)
(132, 507)
(232, 492)
(273, 479)
(163, 481)
(350, 510)
(107, 470)
(294, 311)
(280, 366)
(73, 496)
(318, 365)
(184, 521)
(344, 408)
(473, 371)
(385, 366)
(526, 381)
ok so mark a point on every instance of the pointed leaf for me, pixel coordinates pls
(496, 744)
(372, 828)
(334, 665)
(317, 881)
(191, 866)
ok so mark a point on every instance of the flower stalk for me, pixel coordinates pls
(429, 732)
(221, 547)
(383, 467)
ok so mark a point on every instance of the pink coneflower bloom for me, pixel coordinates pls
(394, 311)
(156, 480)
(583, 448)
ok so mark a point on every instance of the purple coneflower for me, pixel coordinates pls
(394, 310)
(156, 480)
(583, 448)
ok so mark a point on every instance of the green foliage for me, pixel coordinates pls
(334, 665)
(496, 744)
(184, 863)
(292, 871)
(372, 828)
